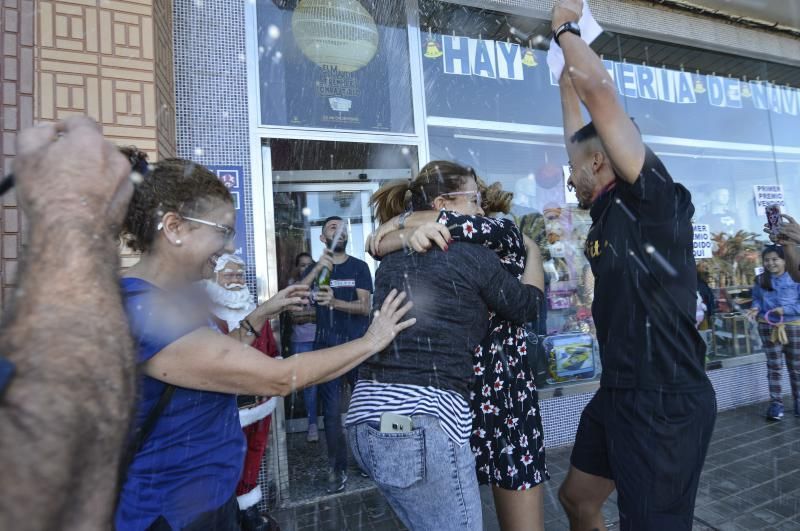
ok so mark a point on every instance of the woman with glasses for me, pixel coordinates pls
(187, 447)
(507, 434)
(426, 378)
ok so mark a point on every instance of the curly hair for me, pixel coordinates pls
(494, 199)
(173, 185)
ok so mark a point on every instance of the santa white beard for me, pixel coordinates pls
(231, 306)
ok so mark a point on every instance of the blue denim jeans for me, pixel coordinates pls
(428, 479)
(309, 393)
(331, 395)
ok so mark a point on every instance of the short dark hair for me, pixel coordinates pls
(588, 132)
(301, 255)
(329, 219)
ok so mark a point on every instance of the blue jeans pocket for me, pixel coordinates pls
(398, 459)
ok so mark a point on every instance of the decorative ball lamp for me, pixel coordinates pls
(338, 33)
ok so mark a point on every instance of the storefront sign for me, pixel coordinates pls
(768, 194)
(482, 79)
(702, 243)
(503, 60)
(231, 177)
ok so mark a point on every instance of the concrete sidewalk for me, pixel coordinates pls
(751, 481)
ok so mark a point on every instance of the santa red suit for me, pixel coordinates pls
(232, 302)
(255, 416)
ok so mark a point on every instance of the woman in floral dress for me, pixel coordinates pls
(507, 437)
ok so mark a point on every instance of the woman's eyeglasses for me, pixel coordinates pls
(228, 232)
(476, 193)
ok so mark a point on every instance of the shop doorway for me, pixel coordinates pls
(312, 180)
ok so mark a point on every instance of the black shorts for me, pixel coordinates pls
(652, 445)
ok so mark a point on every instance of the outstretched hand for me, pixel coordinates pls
(291, 298)
(386, 323)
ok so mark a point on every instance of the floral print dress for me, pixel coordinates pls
(507, 436)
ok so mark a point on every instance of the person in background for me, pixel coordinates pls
(67, 368)
(776, 305)
(231, 304)
(708, 298)
(304, 329)
(187, 454)
(343, 307)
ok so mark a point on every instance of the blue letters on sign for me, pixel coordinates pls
(456, 55)
(646, 82)
(627, 80)
(685, 88)
(716, 91)
(484, 55)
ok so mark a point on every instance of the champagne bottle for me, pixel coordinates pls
(324, 278)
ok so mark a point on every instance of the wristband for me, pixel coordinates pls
(401, 221)
(251, 331)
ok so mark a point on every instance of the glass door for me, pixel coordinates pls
(311, 181)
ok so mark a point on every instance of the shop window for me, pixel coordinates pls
(720, 129)
(335, 64)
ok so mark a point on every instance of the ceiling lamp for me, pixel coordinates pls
(337, 33)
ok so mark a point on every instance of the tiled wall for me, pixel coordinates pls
(16, 70)
(111, 60)
(97, 58)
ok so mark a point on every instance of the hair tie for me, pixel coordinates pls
(772, 323)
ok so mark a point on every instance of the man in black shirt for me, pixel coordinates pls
(647, 429)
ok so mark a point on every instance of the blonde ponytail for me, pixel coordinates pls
(391, 199)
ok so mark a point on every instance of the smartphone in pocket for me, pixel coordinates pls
(394, 423)
(774, 220)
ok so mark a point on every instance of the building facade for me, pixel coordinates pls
(306, 107)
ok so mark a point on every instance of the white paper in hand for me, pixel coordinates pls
(590, 30)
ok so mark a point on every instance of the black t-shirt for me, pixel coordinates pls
(640, 250)
(452, 292)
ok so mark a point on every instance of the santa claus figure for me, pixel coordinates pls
(232, 302)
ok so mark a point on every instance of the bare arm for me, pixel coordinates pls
(792, 256)
(65, 416)
(390, 237)
(209, 361)
(789, 238)
(597, 91)
(570, 110)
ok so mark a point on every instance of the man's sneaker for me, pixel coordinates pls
(313, 433)
(336, 481)
(775, 411)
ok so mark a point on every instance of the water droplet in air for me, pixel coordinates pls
(199, 152)
(273, 31)
(306, 211)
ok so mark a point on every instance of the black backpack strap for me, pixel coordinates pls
(141, 434)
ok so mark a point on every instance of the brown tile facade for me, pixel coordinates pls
(17, 52)
(110, 59)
